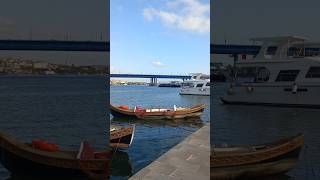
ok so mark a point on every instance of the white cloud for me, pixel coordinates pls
(148, 13)
(184, 15)
(158, 64)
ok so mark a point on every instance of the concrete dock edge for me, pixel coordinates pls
(189, 160)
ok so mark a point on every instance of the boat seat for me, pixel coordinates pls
(180, 108)
(231, 150)
(156, 110)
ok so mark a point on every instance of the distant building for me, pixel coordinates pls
(53, 66)
(40, 65)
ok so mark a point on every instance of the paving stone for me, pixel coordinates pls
(189, 160)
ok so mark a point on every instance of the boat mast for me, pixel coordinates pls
(235, 59)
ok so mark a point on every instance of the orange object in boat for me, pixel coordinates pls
(45, 146)
(124, 107)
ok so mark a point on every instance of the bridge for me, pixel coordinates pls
(153, 78)
(54, 45)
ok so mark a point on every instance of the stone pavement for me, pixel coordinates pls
(189, 160)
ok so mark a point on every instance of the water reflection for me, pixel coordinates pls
(120, 164)
(190, 122)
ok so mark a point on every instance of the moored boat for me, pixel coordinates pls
(255, 161)
(157, 113)
(29, 160)
(120, 137)
(199, 85)
(174, 84)
(285, 72)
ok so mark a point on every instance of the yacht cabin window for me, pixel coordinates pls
(314, 72)
(187, 84)
(287, 75)
(253, 74)
(199, 85)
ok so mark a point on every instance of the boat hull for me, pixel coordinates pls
(22, 159)
(121, 143)
(256, 161)
(23, 167)
(122, 139)
(116, 113)
(195, 91)
(255, 170)
(166, 115)
(274, 95)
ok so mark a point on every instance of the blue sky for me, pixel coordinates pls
(159, 36)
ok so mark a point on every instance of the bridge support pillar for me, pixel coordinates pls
(153, 81)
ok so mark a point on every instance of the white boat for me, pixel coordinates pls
(285, 72)
(199, 84)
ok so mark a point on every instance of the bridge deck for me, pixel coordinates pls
(149, 76)
(53, 45)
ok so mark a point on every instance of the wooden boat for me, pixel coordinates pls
(121, 138)
(175, 113)
(26, 160)
(255, 161)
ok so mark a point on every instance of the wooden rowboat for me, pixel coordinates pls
(121, 138)
(23, 159)
(255, 161)
(175, 113)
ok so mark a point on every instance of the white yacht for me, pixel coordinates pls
(285, 72)
(199, 84)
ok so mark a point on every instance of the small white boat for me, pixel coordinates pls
(198, 85)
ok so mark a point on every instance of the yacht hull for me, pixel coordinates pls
(306, 96)
(195, 91)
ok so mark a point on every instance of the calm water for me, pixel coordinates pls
(63, 110)
(153, 138)
(238, 125)
(69, 109)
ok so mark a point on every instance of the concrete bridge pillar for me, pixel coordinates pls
(153, 81)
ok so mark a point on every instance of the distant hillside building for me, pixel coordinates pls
(40, 65)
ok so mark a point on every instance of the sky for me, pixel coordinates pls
(159, 36)
(59, 20)
(237, 21)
